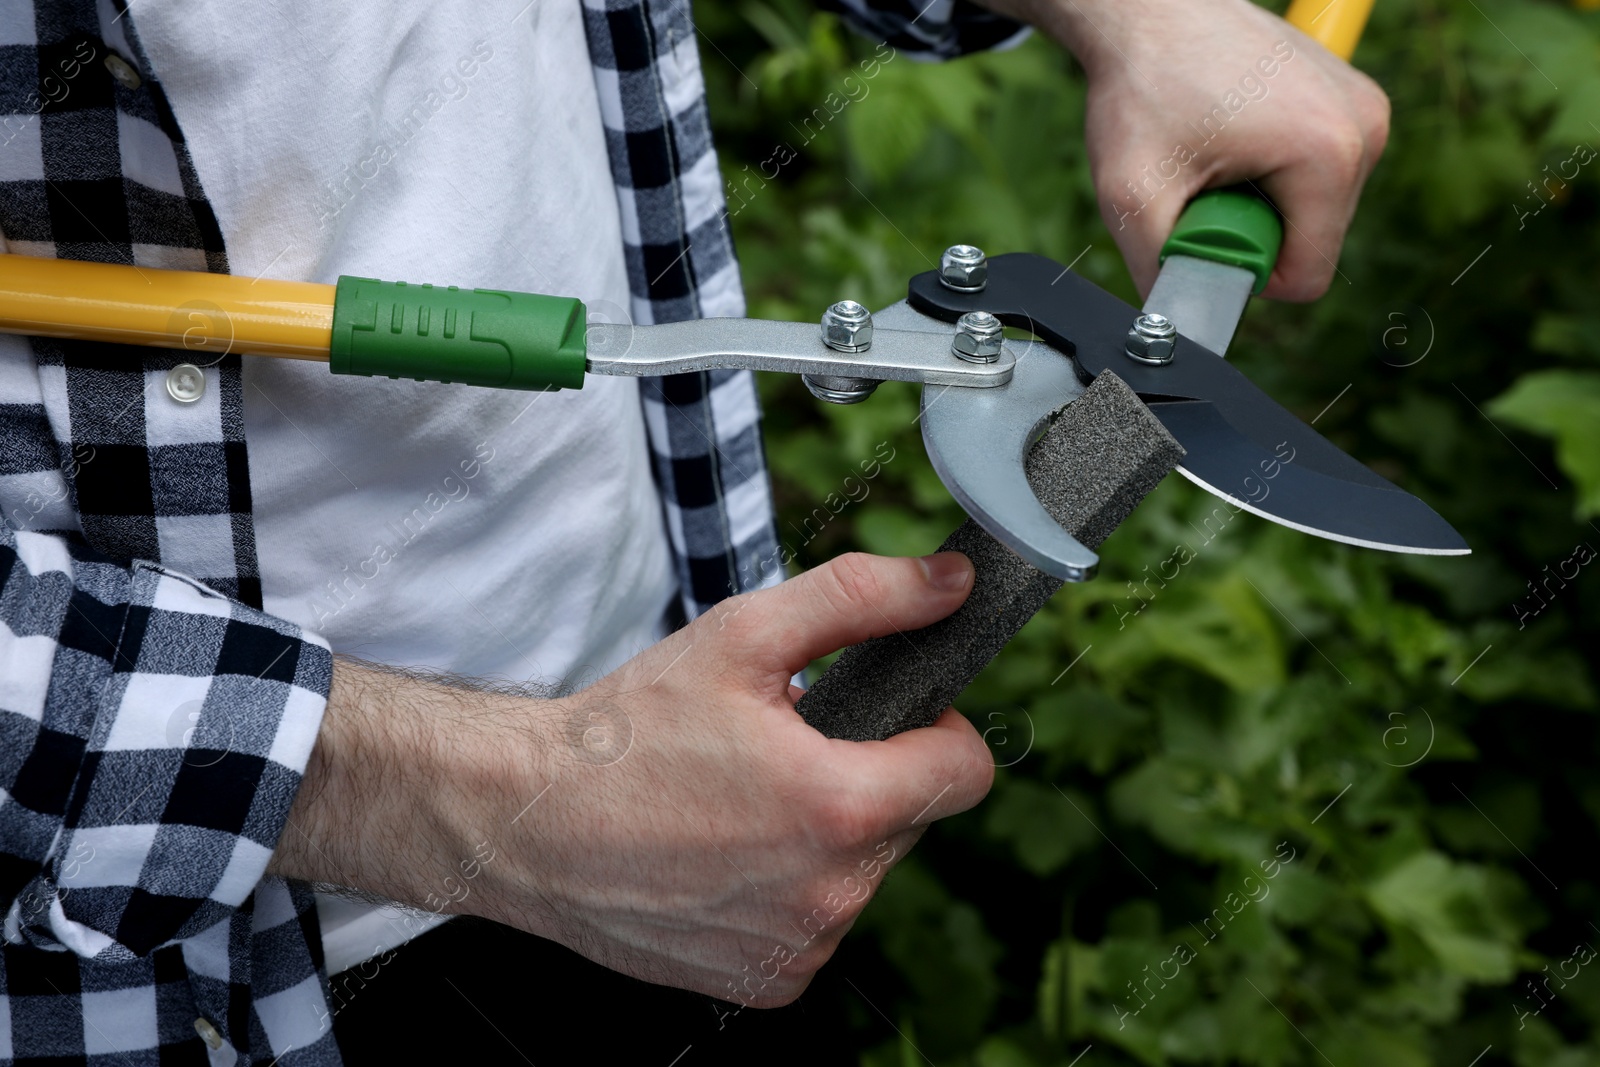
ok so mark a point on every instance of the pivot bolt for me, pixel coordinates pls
(1150, 339)
(978, 337)
(837, 389)
(964, 268)
(847, 327)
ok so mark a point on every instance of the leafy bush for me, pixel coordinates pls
(1409, 740)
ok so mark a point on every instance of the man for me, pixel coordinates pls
(186, 537)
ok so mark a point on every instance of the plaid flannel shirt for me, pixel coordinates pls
(154, 723)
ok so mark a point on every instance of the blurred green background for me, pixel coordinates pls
(1427, 756)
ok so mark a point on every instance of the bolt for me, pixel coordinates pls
(837, 389)
(1150, 339)
(978, 337)
(847, 327)
(964, 268)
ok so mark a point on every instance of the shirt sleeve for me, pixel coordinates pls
(930, 29)
(153, 734)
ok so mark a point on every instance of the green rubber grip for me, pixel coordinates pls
(505, 340)
(1229, 226)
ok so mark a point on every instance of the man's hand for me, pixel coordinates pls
(677, 821)
(1186, 95)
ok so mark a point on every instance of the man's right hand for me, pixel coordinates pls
(676, 821)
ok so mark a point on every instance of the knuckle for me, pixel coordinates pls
(1120, 208)
(741, 613)
(842, 821)
(1375, 122)
(819, 899)
(856, 580)
(1343, 148)
(736, 616)
(980, 771)
(1307, 285)
(810, 963)
(1373, 111)
(784, 994)
(1108, 186)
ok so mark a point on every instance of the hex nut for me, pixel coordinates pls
(1151, 339)
(847, 327)
(964, 268)
(979, 336)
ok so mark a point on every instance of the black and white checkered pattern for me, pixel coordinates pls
(153, 726)
(152, 734)
(704, 429)
(705, 439)
(930, 29)
(152, 730)
(94, 170)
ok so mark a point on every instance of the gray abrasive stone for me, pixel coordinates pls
(1101, 455)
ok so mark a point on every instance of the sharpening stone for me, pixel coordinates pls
(1101, 454)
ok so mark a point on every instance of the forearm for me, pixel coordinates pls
(1089, 29)
(401, 770)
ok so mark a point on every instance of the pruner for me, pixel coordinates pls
(985, 398)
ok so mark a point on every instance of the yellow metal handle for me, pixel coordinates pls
(209, 315)
(1334, 24)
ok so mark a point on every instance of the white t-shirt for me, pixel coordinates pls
(488, 533)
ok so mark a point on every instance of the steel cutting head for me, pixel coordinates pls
(1242, 445)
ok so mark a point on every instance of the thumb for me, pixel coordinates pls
(843, 602)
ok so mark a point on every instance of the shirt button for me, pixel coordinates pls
(186, 383)
(208, 1033)
(123, 71)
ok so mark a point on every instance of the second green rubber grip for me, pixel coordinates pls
(1229, 226)
(501, 339)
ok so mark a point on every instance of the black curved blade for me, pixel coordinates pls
(1243, 446)
(1279, 485)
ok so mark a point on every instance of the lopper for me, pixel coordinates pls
(986, 399)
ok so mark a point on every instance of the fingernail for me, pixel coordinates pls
(947, 571)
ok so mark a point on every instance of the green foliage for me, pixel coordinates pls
(1419, 732)
(1565, 405)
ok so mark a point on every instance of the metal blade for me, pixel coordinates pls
(978, 442)
(1291, 484)
(1204, 300)
(979, 446)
